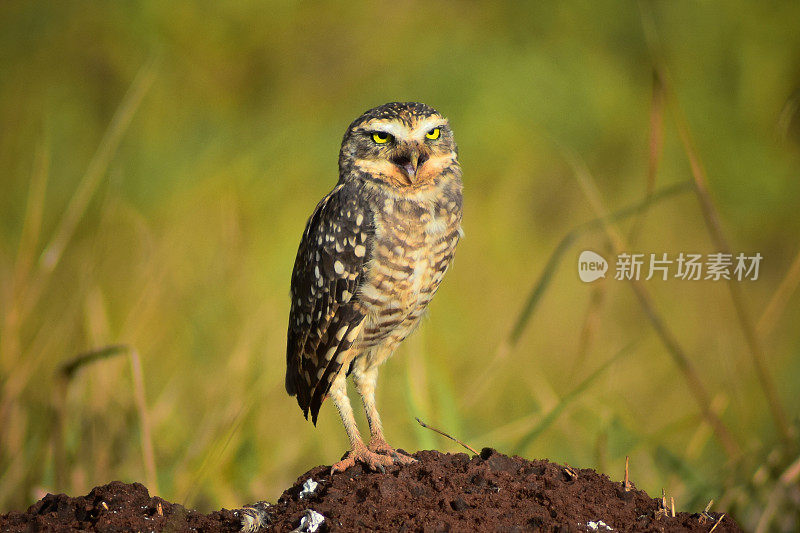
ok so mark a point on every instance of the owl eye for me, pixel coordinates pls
(433, 134)
(381, 137)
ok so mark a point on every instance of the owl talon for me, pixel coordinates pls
(381, 447)
(371, 460)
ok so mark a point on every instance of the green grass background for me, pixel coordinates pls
(179, 239)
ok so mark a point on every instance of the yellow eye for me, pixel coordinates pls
(433, 134)
(381, 137)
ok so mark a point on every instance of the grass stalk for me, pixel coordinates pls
(755, 348)
(88, 185)
(714, 227)
(668, 339)
(148, 455)
(64, 377)
(34, 214)
(554, 413)
(780, 298)
(591, 323)
(29, 239)
(66, 374)
(655, 149)
(532, 301)
(440, 432)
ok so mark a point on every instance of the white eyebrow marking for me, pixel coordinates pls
(400, 131)
(427, 125)
(396, 130)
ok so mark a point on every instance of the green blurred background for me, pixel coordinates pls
(159, 161)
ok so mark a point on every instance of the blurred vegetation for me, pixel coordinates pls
(159, 160)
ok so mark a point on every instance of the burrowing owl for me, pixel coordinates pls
(371, 258)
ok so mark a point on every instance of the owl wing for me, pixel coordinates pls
(326, 316)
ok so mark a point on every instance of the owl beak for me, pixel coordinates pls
(410, 162)
(410, 168)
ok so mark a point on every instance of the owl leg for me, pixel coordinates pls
(358, 451)
(365, 381)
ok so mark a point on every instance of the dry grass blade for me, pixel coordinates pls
(34, 211)
(89, 182)
(480, 387)
(571, 237)
(66, 373)
(717, 523)
(217, 450)
(656, 144)
(627, 484)
(662, 510)
(69, 368)
(655, 148)
(714, 226)
(591, 323)
(668, 339)
(440, 432)
(704, 516)
(792, 473)
(787, 479)
(29, 240)
(144, 418)
(554, 413)
(788, 113)
(777, 304)
(756, 351)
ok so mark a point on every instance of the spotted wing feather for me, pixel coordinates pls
(325, 313)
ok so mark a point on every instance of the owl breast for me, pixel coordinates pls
(414, 243)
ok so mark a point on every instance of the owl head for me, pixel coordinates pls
(403, 144)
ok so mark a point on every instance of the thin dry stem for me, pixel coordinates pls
(67, 371)
(704, 516)
(787, 114)
(482, 385)
(777, 304)
(440, 432)
(591, 323)
(144, 418)
(792, 473)
(714, 226)
(10, 348)
(718, 522)
(32, 224)
(679, 356)
(627, 483)
(655, 149)
(218, 447)
(787, 479)
(59, 401)
(755, 349)
(88, 185)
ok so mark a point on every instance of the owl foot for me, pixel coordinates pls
(381, 447)
(373, 461)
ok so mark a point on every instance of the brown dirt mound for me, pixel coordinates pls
(441, 492)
